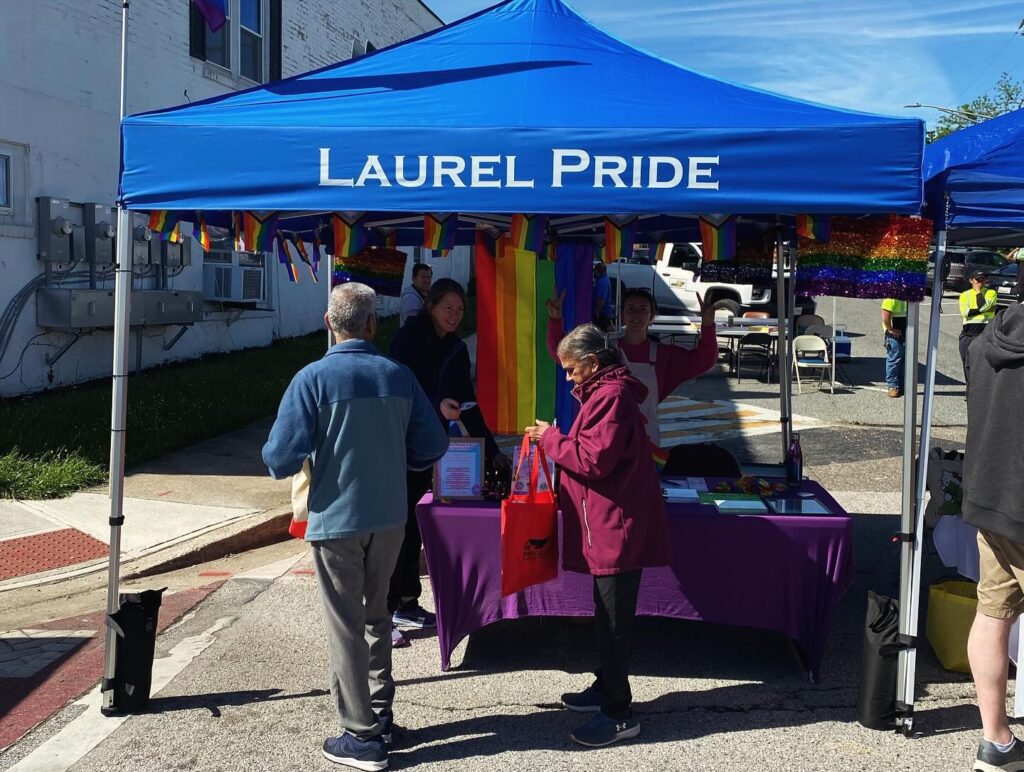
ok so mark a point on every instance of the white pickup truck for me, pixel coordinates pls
(673, 277)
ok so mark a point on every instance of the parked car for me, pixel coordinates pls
(960, 262)
(1005, 282)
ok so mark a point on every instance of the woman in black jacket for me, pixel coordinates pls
(429, 346)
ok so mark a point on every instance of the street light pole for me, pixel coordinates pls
(976, 117)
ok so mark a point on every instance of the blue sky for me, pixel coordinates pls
(873, 55)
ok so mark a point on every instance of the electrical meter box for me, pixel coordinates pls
(142, 236)
(53, 229)
(170, 306)
(173, 255)
(79, 309)
(100, 233)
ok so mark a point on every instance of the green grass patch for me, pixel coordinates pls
(169, 408)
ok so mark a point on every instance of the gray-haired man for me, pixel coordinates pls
(362, 420)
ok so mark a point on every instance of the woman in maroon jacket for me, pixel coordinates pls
(614, 522)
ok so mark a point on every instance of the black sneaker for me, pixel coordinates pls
(369, 755)
(601, 731)
(587, 701)
(415, 616)
(991, 759)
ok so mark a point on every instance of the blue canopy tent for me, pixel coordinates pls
(974, 193)
(525, 107)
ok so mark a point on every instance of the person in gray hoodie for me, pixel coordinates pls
(994, 502)
(362, 419)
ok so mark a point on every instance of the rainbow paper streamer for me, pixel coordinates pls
(349, 235)
(300, 247)
(815, 227)
(167, 225)
(438, 233)
(872, 257)
(253, 234)
(619, 239)
(284, 256)
(380, 269)
(718, 237)
(515, 375)
(528, 231)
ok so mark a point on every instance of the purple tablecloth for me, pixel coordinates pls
(779, 573)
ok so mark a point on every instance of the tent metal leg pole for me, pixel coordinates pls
(910, 585)
(790, 337)
(118, 414)
(782, 346)
(910, 544)
(119, 401)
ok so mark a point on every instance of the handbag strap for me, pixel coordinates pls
(539, 462)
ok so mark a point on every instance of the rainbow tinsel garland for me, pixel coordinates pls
(873, 257)
(380, 269)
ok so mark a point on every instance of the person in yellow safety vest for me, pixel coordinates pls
(894, 323)
(978, 308)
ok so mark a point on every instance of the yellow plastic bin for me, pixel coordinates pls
(951, 607)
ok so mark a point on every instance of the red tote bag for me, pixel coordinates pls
(529, 530)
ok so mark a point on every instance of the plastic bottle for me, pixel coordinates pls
(795, 462)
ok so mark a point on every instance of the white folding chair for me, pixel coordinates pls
(811, 353)
(827, 333)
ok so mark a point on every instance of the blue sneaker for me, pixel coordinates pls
(415, 616)
(601, 731)
(349, 750)
(587, 701)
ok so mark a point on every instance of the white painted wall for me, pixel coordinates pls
(59, 90)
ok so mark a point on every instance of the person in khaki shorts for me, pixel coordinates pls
(994, 502)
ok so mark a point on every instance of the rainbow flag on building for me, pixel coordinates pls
(718, 237)
(816, 227)
(528, 232)
(284, 256)
(167, 225)
(439, 233)
(515, 375)
(349, 235)
(201, 232)
(300, 247)
(253, 234)
(380, 269)
(619, 238)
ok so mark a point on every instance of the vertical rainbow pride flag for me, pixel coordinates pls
(619, 238)
(718, 237)
(816, 227)
(284, 256)
(253, 234)
(574, 276)
(167, 225)
(349, 235)
(515, 376)
(528, 232)
(439, 233)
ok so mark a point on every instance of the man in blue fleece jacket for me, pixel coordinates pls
(362, 420)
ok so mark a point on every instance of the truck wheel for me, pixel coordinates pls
(726, 304)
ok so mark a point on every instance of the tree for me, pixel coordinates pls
(1006, 95)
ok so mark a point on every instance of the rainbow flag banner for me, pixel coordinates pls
(201, 233)
(439, 232)
(883, 256)
(660, 457)
(284, 256)
(167, 225)
(253, 234)
(300, 247)
(350, 237)
(515, 375)
(380, 269)
(815, 227)
(528, 232)
(619, 238)
(718, 237)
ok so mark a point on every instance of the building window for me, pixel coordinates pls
(251, 48)
(249, 41)
(5, 185)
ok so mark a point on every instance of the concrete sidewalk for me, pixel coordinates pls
(212, 497)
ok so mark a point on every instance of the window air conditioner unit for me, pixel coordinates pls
(233, 283)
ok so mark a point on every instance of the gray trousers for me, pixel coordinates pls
(354, 575)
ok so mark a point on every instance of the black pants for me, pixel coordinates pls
(614, 614)
(405, 581)
(965, 345)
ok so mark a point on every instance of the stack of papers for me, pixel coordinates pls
(682, 495)
(735, 503)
